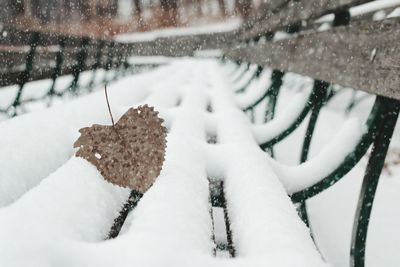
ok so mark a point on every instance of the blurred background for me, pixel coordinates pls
(101, 18)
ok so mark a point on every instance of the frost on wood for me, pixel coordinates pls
(129, 154)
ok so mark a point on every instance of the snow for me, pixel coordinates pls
(266, 132)
(86, 216)
(394, 13)
(255, 90)
(45, 136)
(365, 8)
(225, 26)
(67, 199)
(256, 235)
(373, 6)
(297, 178)
(57, 209)
(245, 78)
(237, 73)
(135, 60)
(219, 225)
(332, 212)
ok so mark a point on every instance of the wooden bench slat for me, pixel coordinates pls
(363, 55)
(15, 37)
(176, 46)
(276, 14)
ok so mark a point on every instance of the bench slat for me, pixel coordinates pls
(363, 55)
(277, 14)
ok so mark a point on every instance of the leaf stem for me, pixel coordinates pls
(108, 104)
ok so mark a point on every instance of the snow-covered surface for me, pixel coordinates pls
(332, 212)
(245, 78)
(251, 187)
(394, 13)
(255, 90)
(366, 8)
(373, 6)
(56, 209)
(225, 26)
(71, 207)
(266, 132)
(297, 178)
(35, 144)
(149, 60)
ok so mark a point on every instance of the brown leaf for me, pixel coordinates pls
(131, 153)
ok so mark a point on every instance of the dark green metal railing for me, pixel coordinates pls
(380, 126)
(87, 54)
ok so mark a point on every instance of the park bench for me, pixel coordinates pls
(221, 193)
(30, 56)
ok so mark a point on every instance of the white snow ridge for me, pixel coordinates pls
(56, 209)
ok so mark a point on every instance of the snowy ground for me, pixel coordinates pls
(56, 210)
(225, 26)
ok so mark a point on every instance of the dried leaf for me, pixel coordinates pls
(131, 153)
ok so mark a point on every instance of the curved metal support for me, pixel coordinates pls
(117, 62)
(352, 158)
(355, 101)
(320, 97)
(129, 205)
(110, 55)
(97, 65)
(57, 69)
(295, 124)
(25, 75)
(236, 71)
(276, 83)
(256, 74)
(258, 101)
(302, 211)
(387, 123)
(78, 68)
(241, 74)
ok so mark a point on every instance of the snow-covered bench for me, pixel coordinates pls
(63, 65)
(342, 52)
(57, 209)
(219, 194)
(213, 163)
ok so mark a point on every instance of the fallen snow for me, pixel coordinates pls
(266, 132)
(35, 144)
(67, 205)
(365, 8)
(297, 178)
(224, 26)
(255, 90)
(57, 208)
